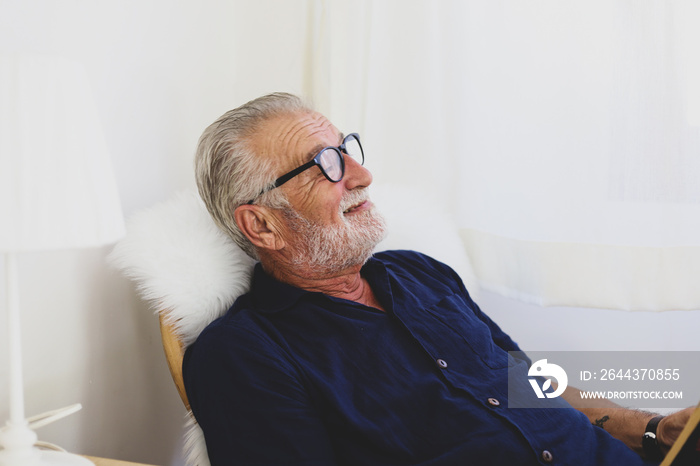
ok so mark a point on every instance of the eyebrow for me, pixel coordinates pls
(313, 152)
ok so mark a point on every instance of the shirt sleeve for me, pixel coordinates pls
(250, 402)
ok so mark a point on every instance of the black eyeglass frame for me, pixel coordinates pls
(317, 161)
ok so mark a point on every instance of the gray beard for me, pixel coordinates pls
(328, 249)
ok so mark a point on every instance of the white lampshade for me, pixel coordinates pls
(57, 189)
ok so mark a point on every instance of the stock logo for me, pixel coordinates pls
(542, 368)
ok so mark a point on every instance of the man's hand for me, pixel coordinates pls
(628, 425)
(670, 428)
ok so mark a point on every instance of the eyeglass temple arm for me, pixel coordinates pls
(284, 178)
(288, 176)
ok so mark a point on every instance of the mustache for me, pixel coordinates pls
(354, 198)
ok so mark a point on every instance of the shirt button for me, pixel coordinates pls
(547, 456)
(494, 402)
(441, 363)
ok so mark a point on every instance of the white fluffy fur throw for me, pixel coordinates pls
(181, 262)
(187, 269)
(185, 266)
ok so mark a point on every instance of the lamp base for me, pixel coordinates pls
(45, 458)
(17, 449)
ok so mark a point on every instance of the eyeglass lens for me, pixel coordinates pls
(331, 164)
(331, 159)
(353, 148)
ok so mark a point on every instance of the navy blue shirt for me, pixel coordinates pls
(291, 377)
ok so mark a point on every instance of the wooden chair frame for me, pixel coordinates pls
(174, 352)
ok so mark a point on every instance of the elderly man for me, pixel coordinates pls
(338, 356)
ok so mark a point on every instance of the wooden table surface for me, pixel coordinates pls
(108, 462)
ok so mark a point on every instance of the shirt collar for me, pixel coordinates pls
(271, 295)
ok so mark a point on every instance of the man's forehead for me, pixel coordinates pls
(296, 134)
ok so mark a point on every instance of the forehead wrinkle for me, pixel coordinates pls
(318, 126)
(318, 147)
(285, 139)
(275, 135)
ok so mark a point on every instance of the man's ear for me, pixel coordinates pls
(260, 226)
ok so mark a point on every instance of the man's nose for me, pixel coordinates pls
(356, 175)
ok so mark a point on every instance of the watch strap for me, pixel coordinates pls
(650, 444)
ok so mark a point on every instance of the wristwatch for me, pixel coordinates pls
(650, 444)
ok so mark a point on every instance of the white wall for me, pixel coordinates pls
(161, 72)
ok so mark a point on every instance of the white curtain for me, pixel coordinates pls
(564, 136)
(583, 155)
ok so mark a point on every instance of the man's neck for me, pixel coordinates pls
(346, 284)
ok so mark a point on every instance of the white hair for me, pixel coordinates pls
(229, 173)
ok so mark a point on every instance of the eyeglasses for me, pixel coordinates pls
(329, 159)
